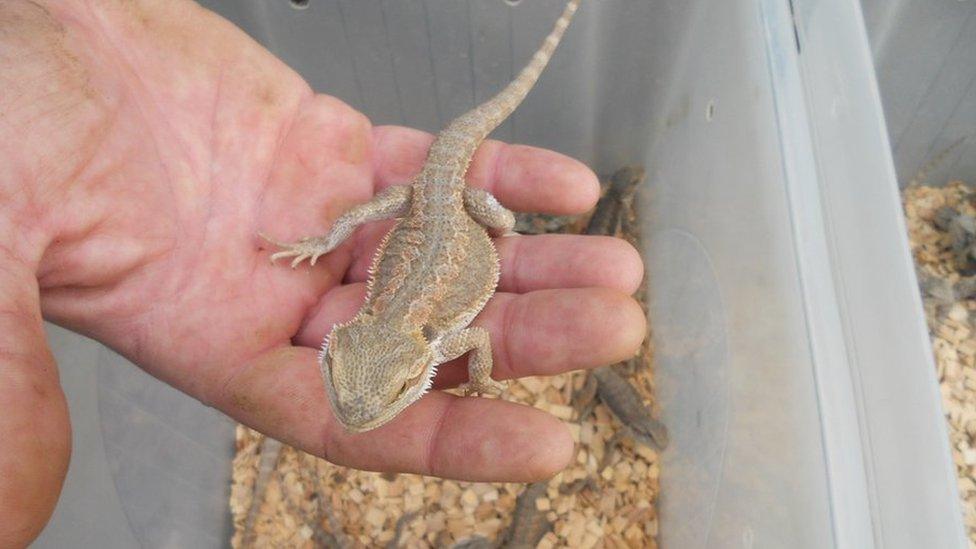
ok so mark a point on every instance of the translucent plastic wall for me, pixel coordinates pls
(925, 53)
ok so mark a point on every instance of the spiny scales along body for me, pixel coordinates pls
(432, 275)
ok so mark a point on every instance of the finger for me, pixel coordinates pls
(281, 394)
(530, 263)
(539, 333)
(523, 178)
(264, 236)
(540, 262)
(34, 429)
(555, 331)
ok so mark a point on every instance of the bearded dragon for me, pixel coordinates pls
(432, 274)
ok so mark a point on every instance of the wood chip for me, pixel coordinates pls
(952, 321)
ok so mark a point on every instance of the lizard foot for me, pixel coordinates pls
(485, 387)
(311, 248)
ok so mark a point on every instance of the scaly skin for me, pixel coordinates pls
(433, 273)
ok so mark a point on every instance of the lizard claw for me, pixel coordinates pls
(306, 248)
(486, 387)
(278, 255)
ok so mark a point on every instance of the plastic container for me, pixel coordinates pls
(793, 361)
(924, 53)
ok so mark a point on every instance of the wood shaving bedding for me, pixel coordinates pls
(950, 309)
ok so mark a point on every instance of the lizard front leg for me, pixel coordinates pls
(477, 341)
(484, 208)
(393, 202)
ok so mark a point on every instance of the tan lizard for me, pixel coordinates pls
(432, 275)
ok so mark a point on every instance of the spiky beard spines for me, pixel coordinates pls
(429, 382)
(374, 263)
(324, 350)
(496, 276)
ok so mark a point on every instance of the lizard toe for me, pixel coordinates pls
(487, 387)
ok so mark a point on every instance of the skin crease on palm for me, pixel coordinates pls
(144, 144)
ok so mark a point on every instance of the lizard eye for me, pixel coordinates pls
(408, 384)
(400, 392)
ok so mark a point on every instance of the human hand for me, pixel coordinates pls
(145, 144)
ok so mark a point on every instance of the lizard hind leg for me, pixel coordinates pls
(484, 208)
(478, 342)
(392, 202)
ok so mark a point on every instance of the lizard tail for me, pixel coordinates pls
(468, 130)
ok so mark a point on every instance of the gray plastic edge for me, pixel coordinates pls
(903, 426)
(843, 451)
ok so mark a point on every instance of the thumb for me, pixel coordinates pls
(35, 435)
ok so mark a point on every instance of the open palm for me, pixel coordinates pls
(179, 140)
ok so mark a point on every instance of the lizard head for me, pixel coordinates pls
(372, 372)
